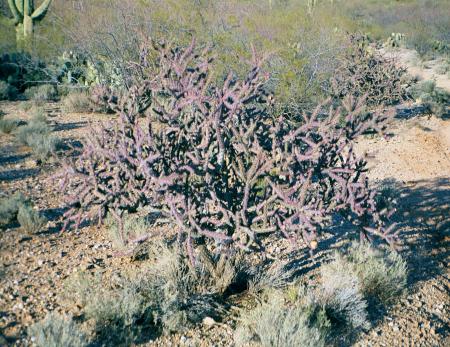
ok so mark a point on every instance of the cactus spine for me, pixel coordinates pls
(25, 15)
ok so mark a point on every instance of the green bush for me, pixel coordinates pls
(29, 219)
(57, 331)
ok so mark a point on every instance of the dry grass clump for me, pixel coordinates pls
(57, 331)
(41, 94)
(7, 125)
(29, 219)
(274, 324)
(17, 207)
(120, 308)
(274, 276)
(333, 311)
(9, 207)
(382, 274)
(7, 91)
(133, 227)
(37, 135)
(167, 296)
(76, 102)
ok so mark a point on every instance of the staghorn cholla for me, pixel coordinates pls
(212, 160)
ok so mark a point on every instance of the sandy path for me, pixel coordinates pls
(426, 71)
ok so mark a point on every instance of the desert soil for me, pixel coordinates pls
(422, 70)
(413, 162)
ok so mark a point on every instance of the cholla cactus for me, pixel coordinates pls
(212, 160)
(25, 15)
(365, 72)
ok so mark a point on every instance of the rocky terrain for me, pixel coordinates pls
(413, 161)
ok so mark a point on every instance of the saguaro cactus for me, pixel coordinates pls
(25, 14)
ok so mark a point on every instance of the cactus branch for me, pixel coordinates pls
(18, 17)
(40, 12)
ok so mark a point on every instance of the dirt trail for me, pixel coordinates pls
(428, 70)
(417, 150)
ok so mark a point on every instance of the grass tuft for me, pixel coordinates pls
(57, 331)
(37, 135)
(29, 219)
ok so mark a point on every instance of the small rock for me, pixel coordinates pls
(209, 321)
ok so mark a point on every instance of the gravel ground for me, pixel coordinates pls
(414, 162)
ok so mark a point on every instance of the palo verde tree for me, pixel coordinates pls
(25, 15)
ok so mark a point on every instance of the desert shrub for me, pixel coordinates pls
(382, 275)
(133, 228)
(273, 276)
(274, 324)
(103, 98)
(186, 294)
(7, 125)
(340, 295)
(9, 207)
(434, 98)
(76, 101)
(365, 72)
(443, 68)
(167, 296)
(29, 219)
(213, 161)
(21, 70)
(7, 91)
(42, 93)
(37, 135)
(121, 308)
(57, 331)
